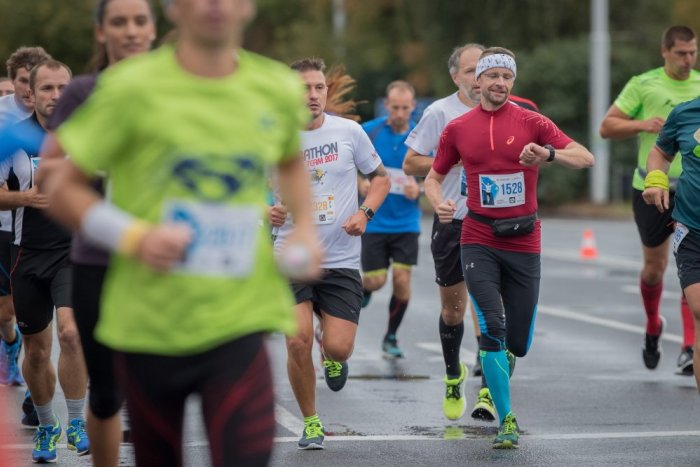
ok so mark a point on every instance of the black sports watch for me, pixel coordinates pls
(369, 212)
(552, 152)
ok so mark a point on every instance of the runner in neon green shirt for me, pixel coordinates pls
(641, 109)
(198, 147)
(186, 135)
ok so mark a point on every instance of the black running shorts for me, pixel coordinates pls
(380, 249)
(338, 292)
(5, 262)
(688, 260)
(41, 280)
(654, 227)
(446, 252)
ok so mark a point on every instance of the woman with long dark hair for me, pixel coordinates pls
(123, 28)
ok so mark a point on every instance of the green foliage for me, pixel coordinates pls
(411, 39)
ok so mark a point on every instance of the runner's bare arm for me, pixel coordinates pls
(618, 125)
(77, 206)
(295, 190)
(379, 185)
(444, 208)
(417, 164)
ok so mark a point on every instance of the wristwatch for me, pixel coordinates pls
(369, 212)
(552, 152)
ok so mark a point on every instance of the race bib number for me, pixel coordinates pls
(398, 180)
(678, 236)
(502, 191)
(323, 209)
(224, 240)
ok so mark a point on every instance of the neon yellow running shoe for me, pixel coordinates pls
(454, 404)
(484, 409)
(313, 435)
(508, 433)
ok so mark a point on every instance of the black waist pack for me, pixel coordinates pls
(511, 227)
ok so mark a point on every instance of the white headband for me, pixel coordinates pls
(495, 61)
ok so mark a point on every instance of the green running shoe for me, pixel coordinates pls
(508, 433)
(484, 409)
(313, 435)
(454, 404)
(335, 374)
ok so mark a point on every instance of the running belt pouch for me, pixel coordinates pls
(511, 227)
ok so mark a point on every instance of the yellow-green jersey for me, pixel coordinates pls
(185, 149)
(655, 94)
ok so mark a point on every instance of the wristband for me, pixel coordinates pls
(657, 179)
(109, 227)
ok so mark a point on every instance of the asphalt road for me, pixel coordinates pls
(582, 395)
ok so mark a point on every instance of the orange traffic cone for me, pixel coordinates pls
(588, 248)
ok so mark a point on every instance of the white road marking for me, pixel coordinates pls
(435, 347)
(288, 420)
(668, 294)
(608, 323)
(609, 261)
(413, 438)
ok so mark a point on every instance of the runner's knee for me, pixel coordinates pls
(374, 282)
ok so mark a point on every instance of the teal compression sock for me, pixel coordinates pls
(495, 367)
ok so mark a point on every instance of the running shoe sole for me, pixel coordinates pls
(480, 413)
(311, 447)
(505, 445)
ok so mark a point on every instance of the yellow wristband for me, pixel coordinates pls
(132, 236)
(656, 178)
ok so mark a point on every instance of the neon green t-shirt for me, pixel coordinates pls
(182, 148)
(655, 94)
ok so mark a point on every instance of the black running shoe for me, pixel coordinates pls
(651, 352)
(685, 362)
(30, 419)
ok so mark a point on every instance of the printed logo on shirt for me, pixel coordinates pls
(322, 154)
(216, 178)
(317, 176)
(510, 140)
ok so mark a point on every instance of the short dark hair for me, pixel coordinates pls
(676, 33)
(51, 64)
(308, 64)
(496, 51)
(25, 57)
(453, 61)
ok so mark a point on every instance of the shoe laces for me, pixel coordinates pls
(313, 430)
(453, 391)
(43, 438)
(77, 430)
(334, 368)
(509, 425)
(486, 398)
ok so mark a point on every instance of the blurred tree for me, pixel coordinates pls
(411, 39)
